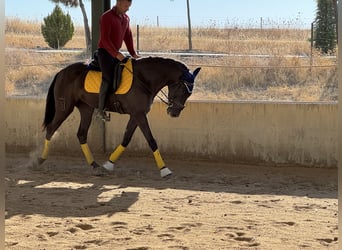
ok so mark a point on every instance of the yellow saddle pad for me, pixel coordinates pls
(93, 79)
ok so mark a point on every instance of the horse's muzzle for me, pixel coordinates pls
(174, 109)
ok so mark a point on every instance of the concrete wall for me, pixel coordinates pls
(271, 133)
(24, 118)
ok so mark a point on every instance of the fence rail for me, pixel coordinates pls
(221, 74)
(188, 55)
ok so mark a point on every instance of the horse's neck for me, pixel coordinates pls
(153, 74)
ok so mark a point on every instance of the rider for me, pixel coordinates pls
(114, 30)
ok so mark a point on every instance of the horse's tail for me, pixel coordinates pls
(50, 108)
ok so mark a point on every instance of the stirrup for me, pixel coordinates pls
(105, 117)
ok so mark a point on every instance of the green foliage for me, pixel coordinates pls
(325, 29)
(58, 28)
(71, 3)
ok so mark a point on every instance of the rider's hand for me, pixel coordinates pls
(120, 56)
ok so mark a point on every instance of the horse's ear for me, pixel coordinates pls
(190, 77)
(196, 71)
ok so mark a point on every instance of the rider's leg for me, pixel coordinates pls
(102, 99)
(107, 64)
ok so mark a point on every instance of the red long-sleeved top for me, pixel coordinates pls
(114, 30)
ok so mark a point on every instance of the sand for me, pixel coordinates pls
(205, 205)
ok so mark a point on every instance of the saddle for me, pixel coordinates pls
(123, 77)
(95, 66)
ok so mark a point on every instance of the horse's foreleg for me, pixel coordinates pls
(164, 171)
(130, 129)
(159, 160)
(117, 153)
(145, 128)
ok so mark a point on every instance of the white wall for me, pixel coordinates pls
(271, 133)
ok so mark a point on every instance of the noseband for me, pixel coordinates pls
(170, 102)
(175, 105)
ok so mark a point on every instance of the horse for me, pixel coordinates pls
(149, 76)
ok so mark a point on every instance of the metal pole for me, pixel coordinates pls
(97, 9)
(2, 124)
(312, 43)
(189, 24)
(138, 37)
(339, 151)
(261, 23)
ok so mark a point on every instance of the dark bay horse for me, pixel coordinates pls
(150, 75)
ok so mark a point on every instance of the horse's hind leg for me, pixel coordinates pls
(51, 128)
(82, 134)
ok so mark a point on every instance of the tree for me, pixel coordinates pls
(334, 2)
(76, 3)
(58, 28)
(325, 31)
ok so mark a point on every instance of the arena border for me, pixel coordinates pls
(244, 132)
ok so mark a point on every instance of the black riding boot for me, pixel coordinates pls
(102, 102)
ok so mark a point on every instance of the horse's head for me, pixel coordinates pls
(180, 91)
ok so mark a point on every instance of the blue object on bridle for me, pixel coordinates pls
(189, 80)
(188, 77)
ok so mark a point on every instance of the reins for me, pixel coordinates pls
(166, 101)
(165, 95)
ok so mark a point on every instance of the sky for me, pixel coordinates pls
(174, 12)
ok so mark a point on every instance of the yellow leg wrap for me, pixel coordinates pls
(88, 155)
(159, 159)
(116, 154)
(46, 149)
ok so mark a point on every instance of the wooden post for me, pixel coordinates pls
(97, 9)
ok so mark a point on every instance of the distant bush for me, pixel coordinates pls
(325, 28)
(57, 29)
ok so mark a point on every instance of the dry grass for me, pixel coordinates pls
(231, 41)
(239, 77)
(27, 34)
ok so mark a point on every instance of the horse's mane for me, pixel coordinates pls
(166, 60)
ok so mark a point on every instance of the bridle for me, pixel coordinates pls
(166, 99)
(169, 100)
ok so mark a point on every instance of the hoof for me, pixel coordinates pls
(40, 161)
(36, 164)
(165, 172)
(98, 170)
(109, 166)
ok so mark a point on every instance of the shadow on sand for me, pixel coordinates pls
(73, 191)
